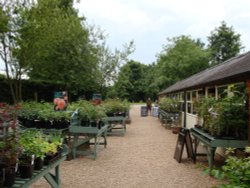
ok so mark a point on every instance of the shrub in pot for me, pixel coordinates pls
(27, 157)
(9, 150)
(225, 118)
(90, 115)
(115, 107)
(54, 148)
(169, 105)
(9, 145)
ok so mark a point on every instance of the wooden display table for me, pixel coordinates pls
(212, 143)
(85, 134)
(52, 179)
(116, 125)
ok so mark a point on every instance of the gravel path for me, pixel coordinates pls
(143, 158)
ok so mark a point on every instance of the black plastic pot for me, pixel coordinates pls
(10, 175)
(38, 164)
(26, 170)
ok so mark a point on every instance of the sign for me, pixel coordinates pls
(60, 100)
(183, 139)
(144, 111)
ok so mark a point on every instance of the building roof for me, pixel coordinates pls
(236, 69)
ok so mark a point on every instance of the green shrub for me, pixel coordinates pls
(169, 105)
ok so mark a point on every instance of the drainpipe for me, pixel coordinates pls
(248, 108)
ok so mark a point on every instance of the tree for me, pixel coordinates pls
(109, 63)
(179, 59)
(9, 25)
(224, 43)
(55, 45)
(131, 81)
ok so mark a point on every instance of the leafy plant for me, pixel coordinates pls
(225, 117)
(36, 143)
(10, 148)
(169, 105)
(236, 171)
(115, 106)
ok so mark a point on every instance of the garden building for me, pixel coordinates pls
(215, 82)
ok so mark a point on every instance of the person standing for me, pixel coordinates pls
(149, 105)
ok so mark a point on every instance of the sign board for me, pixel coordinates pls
(144, 111)
(183, 139)
(60, 100)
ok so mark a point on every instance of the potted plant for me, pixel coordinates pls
(60, 119)
(27, 157)
(9, 151)
(225, 118)
(54, 147)
(116, 107)
(9, 145)
(90, 115)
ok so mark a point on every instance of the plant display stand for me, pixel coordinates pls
(116, 125)
(52, 179)
(83, 134)
(167, 119)
(212, 143)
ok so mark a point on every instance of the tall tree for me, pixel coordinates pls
(109, 63)
(55, 45)
(179, 59)
(131, 81)
(10, 21)
(224, 43)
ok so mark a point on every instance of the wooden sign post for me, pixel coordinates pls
(183, 139)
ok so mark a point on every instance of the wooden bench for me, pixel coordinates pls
(212, 143)
(52, 179)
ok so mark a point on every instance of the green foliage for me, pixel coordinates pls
(115, 106)
(36, 143)
(9, 150)
(236, 172)
(169, 105)
(88, 111)
(132, 83)
(225, 117)
(179, 59)
(203, 109)
(224, 43)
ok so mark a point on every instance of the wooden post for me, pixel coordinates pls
(185, 109)
(248, 107)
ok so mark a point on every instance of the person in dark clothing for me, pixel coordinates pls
(149, 105)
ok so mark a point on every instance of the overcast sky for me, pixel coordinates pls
(150, 22)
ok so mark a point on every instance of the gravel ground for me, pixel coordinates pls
(143, 157)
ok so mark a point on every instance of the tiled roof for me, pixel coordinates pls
(234, 69)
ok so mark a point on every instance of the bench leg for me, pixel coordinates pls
(210, 157)
(74, 146)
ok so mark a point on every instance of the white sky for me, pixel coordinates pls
(150, 22)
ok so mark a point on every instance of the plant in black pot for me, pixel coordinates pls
(41, 147)
(115, 107)
(54, 147)
(90, 115)
(225, 118)
(60, 119)
(9, 145)
(9, 151)
(27, 157)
